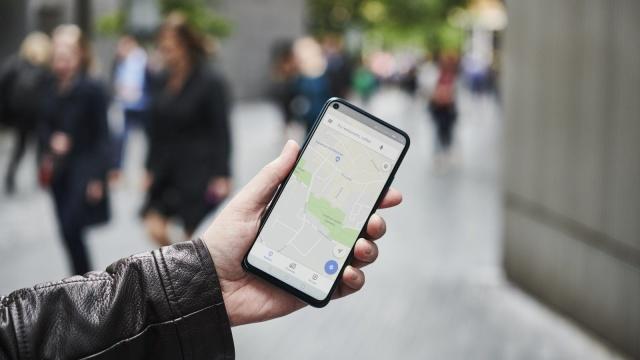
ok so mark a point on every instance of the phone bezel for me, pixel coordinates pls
(285, 286)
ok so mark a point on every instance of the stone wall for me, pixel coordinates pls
(572, 112)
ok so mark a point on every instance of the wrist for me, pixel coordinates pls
(230, 290)
(216, 263)
(231, 308)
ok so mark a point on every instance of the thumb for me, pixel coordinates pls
(259, 191)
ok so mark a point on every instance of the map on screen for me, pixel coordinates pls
(325, 203)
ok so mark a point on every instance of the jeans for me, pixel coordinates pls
(69, 200)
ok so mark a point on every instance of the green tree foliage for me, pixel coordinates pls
(198, 13)
(396, 22)
(111, 24)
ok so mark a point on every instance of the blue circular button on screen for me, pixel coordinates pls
(330, 267)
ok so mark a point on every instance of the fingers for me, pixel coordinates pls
(392, 198)
(258, 192)
(376, 227)
(352, 281)
(364, 253)
(353, 278)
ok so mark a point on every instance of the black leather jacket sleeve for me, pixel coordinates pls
(165, 304)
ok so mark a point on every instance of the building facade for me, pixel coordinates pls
(572, 228)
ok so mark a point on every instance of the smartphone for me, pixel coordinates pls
(308, 232)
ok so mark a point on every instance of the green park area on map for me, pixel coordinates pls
(332, 218)
(301, 174)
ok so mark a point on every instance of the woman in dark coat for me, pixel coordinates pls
(189, 151)
(74, 140)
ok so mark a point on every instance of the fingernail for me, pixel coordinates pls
(368, 252)
(354, 277)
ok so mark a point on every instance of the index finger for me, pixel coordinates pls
(392, 198)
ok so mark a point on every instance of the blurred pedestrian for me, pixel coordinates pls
(189, 171)
(409, 80)
(365, 82)
(130, 99)
(23, 78)
(312, 85)
(442, 101)
(284, 72)
(75, 143)
(477, 72)
(339, 66)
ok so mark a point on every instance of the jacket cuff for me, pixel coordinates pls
(194, 296)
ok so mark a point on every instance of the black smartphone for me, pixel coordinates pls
(307, 234)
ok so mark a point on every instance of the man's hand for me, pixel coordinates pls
(247, 298)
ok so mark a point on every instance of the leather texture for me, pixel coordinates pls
(164, 304)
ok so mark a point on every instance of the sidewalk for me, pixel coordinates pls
(437, 291)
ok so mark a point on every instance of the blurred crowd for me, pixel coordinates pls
(80, 126)
(307, 71)
(168, 90)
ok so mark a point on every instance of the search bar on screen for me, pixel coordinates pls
(366, 138)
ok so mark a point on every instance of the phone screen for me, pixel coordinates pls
(325, 203)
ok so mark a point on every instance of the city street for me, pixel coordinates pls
(437, 290)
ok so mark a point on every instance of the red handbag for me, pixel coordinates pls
(45, 171)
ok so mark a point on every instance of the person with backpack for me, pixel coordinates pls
(443, 103)
(23, 78)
